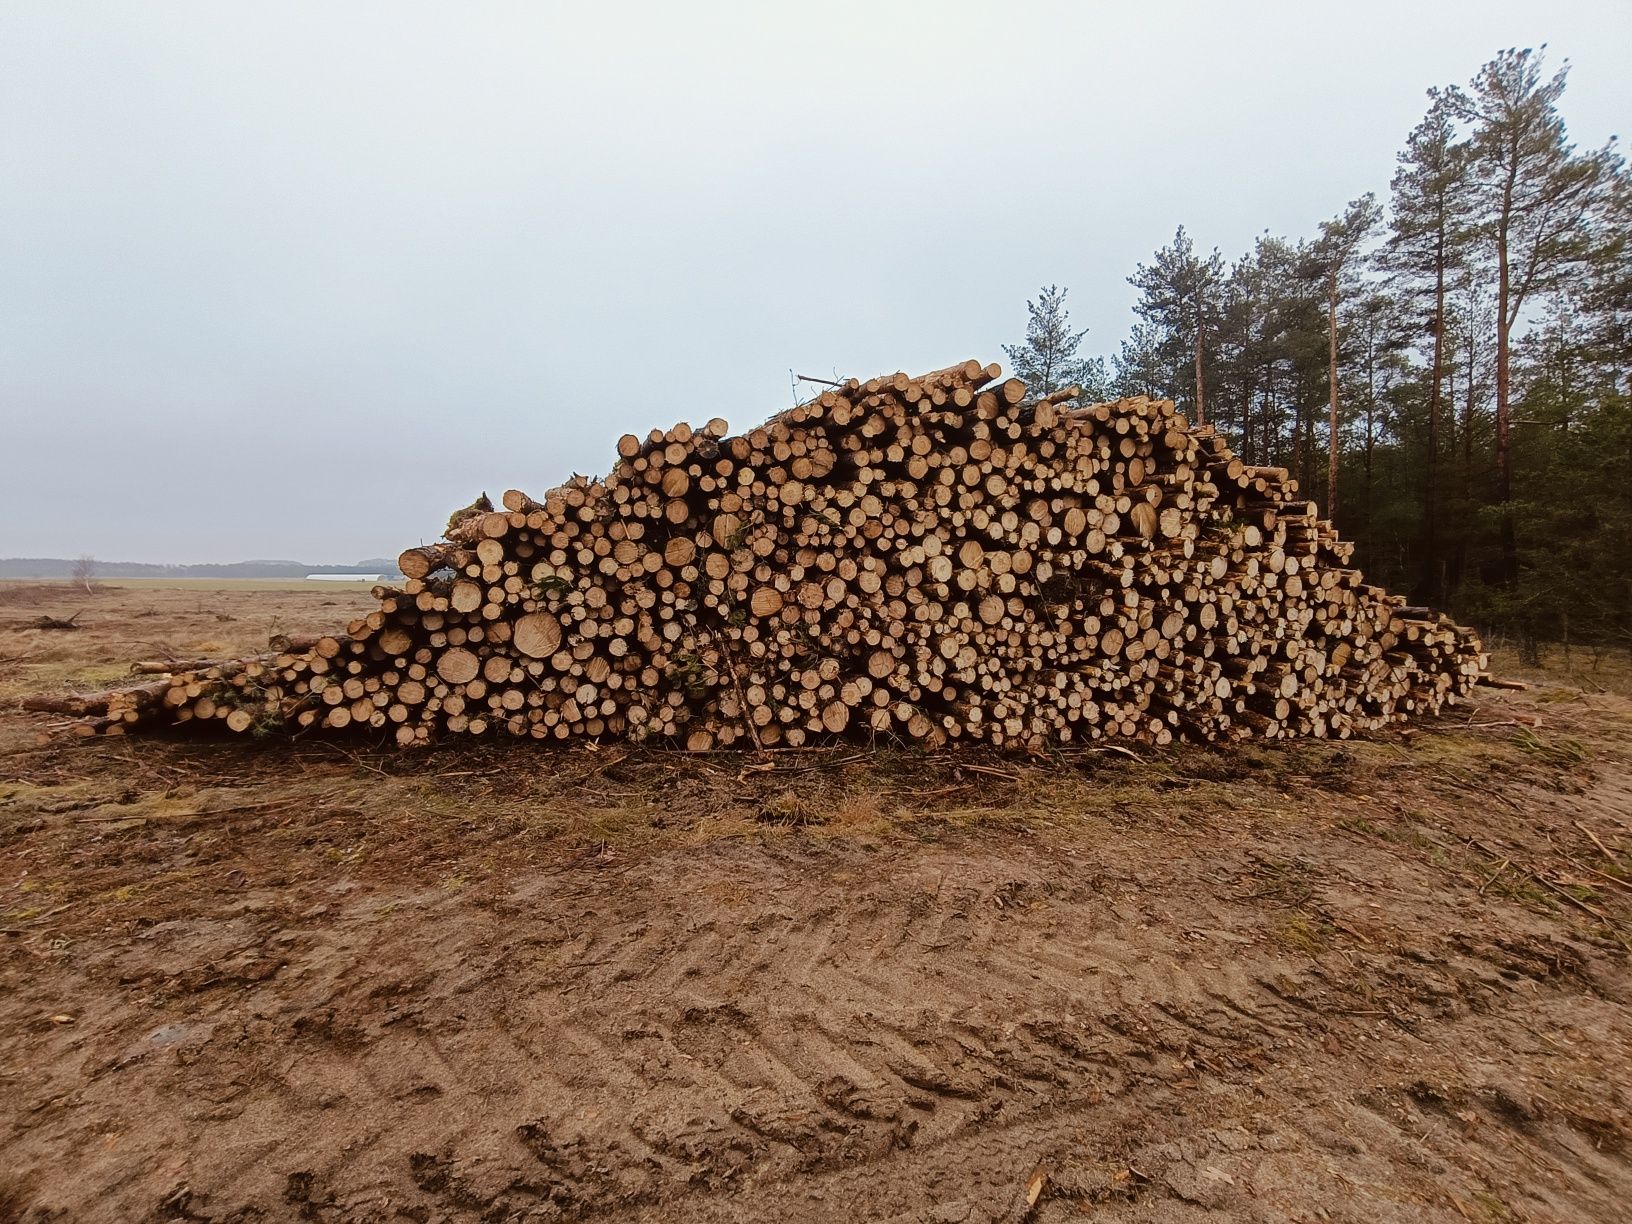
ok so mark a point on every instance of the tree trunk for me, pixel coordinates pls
(1331, 378)
(1201, 403)
(1504, 447)
(1430, 486)
(1246, 419)
(1465, 517)
(1268, 430)
(1294, 444)
(1366, 540)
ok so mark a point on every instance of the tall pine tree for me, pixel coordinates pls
(1426, 251)
(1534, 203)
(1336, 254)
(1181, 294)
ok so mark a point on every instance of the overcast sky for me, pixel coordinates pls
(294, 280)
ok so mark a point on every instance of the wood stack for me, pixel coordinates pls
(938, 558)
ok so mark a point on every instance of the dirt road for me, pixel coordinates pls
(1369, 981)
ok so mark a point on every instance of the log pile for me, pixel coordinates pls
(939, 559)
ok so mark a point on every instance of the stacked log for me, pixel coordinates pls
(938, 558)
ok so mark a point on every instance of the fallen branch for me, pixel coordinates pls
(1551, 886)
(767, 767)
(93, 706)
(1495, 875)
(1602, 848)
(1127, 752)
(52, 622)
(168, 667)
(989, 770)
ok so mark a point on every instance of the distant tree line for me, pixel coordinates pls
(1449, 371)
(87, 569)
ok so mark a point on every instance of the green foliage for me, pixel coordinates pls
(691, 673)
(1532, 192)
(1439, 356)
(1181, 295)
(1047, 360)
(551, 586)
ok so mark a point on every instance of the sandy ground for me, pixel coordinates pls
(1371, 981)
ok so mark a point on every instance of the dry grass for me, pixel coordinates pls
(1568, 671)
(119, 623)
(102, 585)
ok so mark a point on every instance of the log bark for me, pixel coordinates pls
(935, 558)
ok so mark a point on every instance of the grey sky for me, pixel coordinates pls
(294, 280)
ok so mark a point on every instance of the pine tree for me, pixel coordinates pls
(1336, 254)
(1572, 519)
(1470, 377)
(1534, 203)
(1426, 250)
(1181, 294)
(1240, 335)
(1140, 367)
(1381, 367)
(1264, 314)
(1606, 306)
(1608, 299)
(1503, 328)
(1047, 361)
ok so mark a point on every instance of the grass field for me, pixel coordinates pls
(200, 584)
(123, 621)
(1378, 980)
